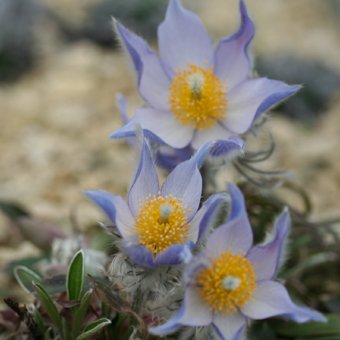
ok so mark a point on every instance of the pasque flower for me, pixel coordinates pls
(195, 92)
(156, 223)
(231, 281)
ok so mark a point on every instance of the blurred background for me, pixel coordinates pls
(61, 68)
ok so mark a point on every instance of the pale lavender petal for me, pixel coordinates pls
(304, 314)
(186, 253)
(153, 83)
(168, 158)
(206, 215)
(229, 326)
(128, 131)
(238, 206)
(270, 299)
(122, 106)
(236, 235)
(115, 208)
(165, 126)
(197, 312)
(250, 99)
(139, 255)
(193, 312)
(170, 326)
(172, 255)
(182, 39)
(216, 132)
(227, 148)
(185, 181)
(228, 237)
(145, 183)
(266, 257)
(231, 57)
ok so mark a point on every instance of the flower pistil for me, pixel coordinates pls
(197, 97)
(228, 283)
(161, 223)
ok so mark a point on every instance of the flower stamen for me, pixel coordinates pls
(228, 283)
(197, 97)
(161, 223)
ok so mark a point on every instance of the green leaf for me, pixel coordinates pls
(76, 276)
(93, 328)
(80, 312)
(261, 330)
(26, 277)
(28, 262)
(39, 321)
(310, 262)
(49, 305)
(312, 329)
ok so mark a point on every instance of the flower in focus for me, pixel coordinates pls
(168, 157)
(156, 223)
(231, 281)
(195, 92)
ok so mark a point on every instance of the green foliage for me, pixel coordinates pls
(62, 300)
(49, 306)
(93, 328)
(275, 329)
(311, 330)
(76, 276)
(80, 312)
(26, 277)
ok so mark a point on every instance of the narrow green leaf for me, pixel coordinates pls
(49, 305)
(47, 334)
(75, 276)
(26, 277)
(66, 332)
(310, 262)
(39, 321)
(312, 329)
(93, 328)
(80, 312)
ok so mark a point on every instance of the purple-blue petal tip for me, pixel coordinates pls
(304, 314)
(104, 200)
(238, 206)
(276, 98)
(227, 148)
(202, 153)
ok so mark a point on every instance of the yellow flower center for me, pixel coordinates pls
(197, 97)
(161, 223)
(228, 283)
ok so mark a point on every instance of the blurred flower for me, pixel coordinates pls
(194, 92)
(155, 223)
(232, 281)
(63, 251)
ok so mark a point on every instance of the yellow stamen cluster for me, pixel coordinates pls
(228, 283)
(197, 97)
(161, 223)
